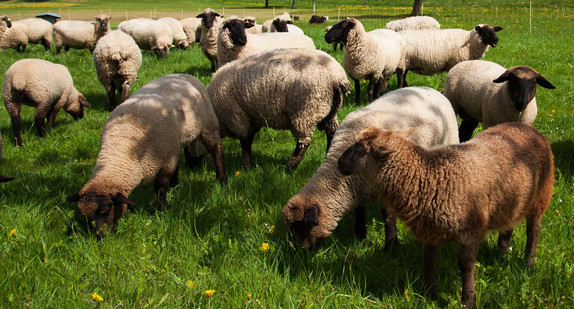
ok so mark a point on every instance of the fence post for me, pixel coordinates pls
(530, 18)
(339, 14)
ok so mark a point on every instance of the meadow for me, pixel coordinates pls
(230, 238)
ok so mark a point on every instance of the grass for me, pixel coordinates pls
(211, 236)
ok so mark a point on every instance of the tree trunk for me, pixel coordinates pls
(266, 4)
(417, 8)
(293, 6)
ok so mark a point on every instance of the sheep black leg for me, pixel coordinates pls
(190, 160)
(504, 240)
(532, 234)
(124, 92)
(361, 222)
(383, 87)
(429, 261)
(174, 179)
(466, 261)
(16, 124)
(329, 125)
(51, 117)
(215, 148)
(373, 88)
(246, 150)
(161, 186)
(390, 222)
(111, 92)
(466, 129)
(39, 121)
(400, 78)
(46, 44)
(357, 92)
(297, 156)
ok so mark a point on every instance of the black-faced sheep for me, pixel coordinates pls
(316, 19)
(266, 27)
(80, 34)
(141, 141)
(459, 192)
(285, 26)
(483, 91)
(210, 24)
(334, 44)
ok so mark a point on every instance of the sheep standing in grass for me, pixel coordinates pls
(80, 34)
(210, 23)
(266, 27)
(373, 55)
(44, 85)
(428, 52)
(285, 26)
(192, 28)
(13, 36)
(149, 34)
(179, 36)
(117, 58)
(335, 44)
(459, 192)
(234, 42)
(291, 89)
(26, 31)
(141, 141)
(483, 91)
(251, 25)
(413, 23)
(315, 211)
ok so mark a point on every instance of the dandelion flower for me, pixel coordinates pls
(190, 284)
(407, 294)
(209, 293)
(249, 296)
(264, 246)
(272, 229)
(12, 232)
(237, 173)
(96, 297)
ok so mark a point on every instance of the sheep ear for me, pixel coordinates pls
(540, 80)
(477, 28)
(217, 14)
(200, 15)
(122, 199)
(5, 179)
(73, 198)
(502, 78)
(83, 101)
(155, 47)
(405, 133)
(311, 217)
(289, 22)
(496, 29)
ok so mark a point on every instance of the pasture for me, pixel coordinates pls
(230, 238)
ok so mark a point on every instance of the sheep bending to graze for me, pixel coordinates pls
(459, 192)
(251, 25)
(373, 55)
(80, 34)
(117, 58)
(234, 43)
(483, 91)
(328, 196)
(210, 23)
(192, 28)
(336, 43)
(149, 34)
(413, 23)
(179, 36)
(141, 140)
(44, 85)
(428, 52)
(293, 89)
(25, 31)
(12, 35)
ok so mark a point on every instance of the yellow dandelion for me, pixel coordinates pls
(407, 294)
(264, 246)
(96, 297)
(553, 111)
(237, 173)
(550, 115)
(209, 293)
(11, 233)
(249, 296)
(190, 284)
(272, 229)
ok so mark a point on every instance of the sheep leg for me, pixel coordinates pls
(361, 222)
(297, 155)
(51, 117)
(111, 92)
(40, 121)
(67, 48)
(383, 87)
(46, 44)
(124, 92)
(16, 123)
(532, 233)
(357, 92)
(429, 269)
(390, 222)
(466, 260)
(174, 179)
(246, 150)
(466, 129)
(215, 148)
(402, 78)
(372, 86)
(161, 185)
(58, 49)
(329, 126)
(191, 160)
(504, 240)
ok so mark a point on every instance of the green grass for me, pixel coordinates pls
(212, 235)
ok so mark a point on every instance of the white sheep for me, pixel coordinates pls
(80, 34)
(44, 85)
(458, 192)
(234, 43)
(179, 36)
(332, 195)
(428, 52)
(251, 25)
(117, 58)
(11, 37)
(210, 23)
(266, 26)
(149, 34)
(291, 89)
(192, 28)
(483, 91)
(413, 23)
(141, 141)
(373, 55)
(35, 31)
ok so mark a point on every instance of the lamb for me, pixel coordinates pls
(80, 34)
(149, 34)
(210, 23)
(335, 44)
(374, 55)
(294, 89)
(483, 91)
(251, 25)
(152, 125)
(285, 26)
(459, 192)
(266, 27)
(234, 43)
(117, 58)
(413, 23)
(179, 36)
(30, 30)
(428, 52)
(44, 85)
(192, 28)
(330, 195)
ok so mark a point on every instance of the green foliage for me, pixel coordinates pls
(210, 236)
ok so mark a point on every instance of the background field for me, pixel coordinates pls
(211, 236)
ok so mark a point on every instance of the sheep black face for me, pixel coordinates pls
(522, 82)
(7, 21)
(76, 109)
(303, 217)
(208, 18)
(280, 25)
(102, 211)
(236, 31)
(488, 35)
(249, 22)
(160, 51)
(340, 31)
(103, 22)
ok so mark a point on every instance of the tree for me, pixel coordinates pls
(416, 7)
(293, 6)
(266, 4)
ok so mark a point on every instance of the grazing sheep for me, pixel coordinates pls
(117, 58)
(179, 36)
(413, 23)
(234, 43)
(141, 140)
(428, 52)
(459, 192)
(251, 25)
(44, 85)
(293, 89)
(80, 34)
(210, 23)
(335, 44)
(13, 36)
(483, 91)
(315, 19)
(373, 55)
(331, 195)
(149, 34)
(266, 27)
(192, 28)
(285, 26)
(30, 30)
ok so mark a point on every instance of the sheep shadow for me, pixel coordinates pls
(563, 163)
(99, 101)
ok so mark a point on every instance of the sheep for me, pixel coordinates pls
(459, 192)
(335, 44)
(117, 58)
(179, 36)
(251, 25)
(3, 178)
(149, 34)
(80, 34)
(483, 91)
(30, 30)
(44, 85)
(331, 195)
(428, 52)
(12, 35)
(413, 23)
(192, 28)
(141, 140)
(285, 26)
(295, 89)
(234, 43)
(266, 27)
(316, 19)
(374, 55)
(210, 23)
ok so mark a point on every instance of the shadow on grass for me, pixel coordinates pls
(563, 158)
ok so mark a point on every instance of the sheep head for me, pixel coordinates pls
(250, 22)
(103, 23)
(306, 218)
(487, 34)
(208, 17)
(522, 82)
(281, 25)
(161, 49)
(75, 106)
(235, 30)
(340, 31)
(7, 21)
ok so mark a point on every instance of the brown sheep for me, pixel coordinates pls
(459, 192)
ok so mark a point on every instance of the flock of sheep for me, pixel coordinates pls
(402, 149)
